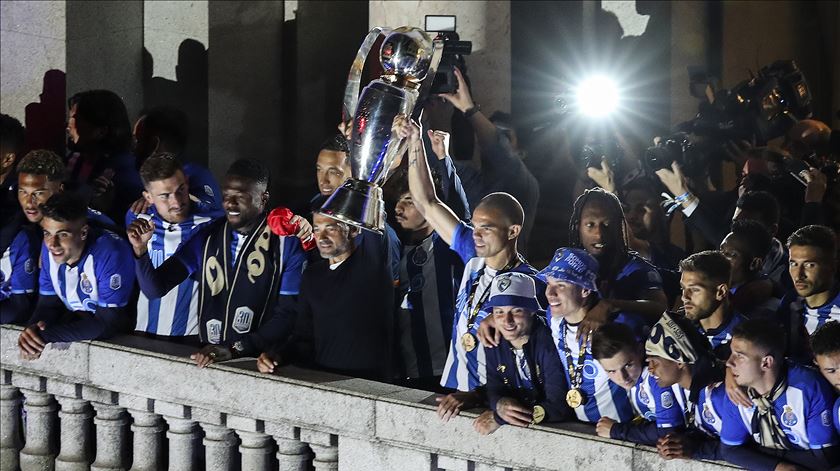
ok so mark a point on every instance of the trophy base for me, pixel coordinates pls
(359, 203)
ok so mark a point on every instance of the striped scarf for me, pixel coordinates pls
(764, 420)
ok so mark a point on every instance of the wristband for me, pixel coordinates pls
(683, 197)
(475, 109)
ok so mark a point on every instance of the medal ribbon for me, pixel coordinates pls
(575, 371)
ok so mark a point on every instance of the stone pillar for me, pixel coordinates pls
(148, 441)
(110, 437)
(256, 449)
(182, 438)
(219, 448)
(39, 452)
(9, 423)
(325, 447)
(75, 417)
(292, 454)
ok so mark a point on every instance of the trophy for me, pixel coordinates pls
(408, 55)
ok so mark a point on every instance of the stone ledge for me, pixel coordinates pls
(319, 403)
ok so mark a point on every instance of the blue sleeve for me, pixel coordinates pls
(394, 252)
(645, 433)
(496, 388)
(45, 286)
(190, 254)
(837, 415)
(203, 186)
(820, 430)
(462, 242)
(554, 377)
(294, 261)
(669, 414)
(23, 278)
(732, 431)
(748, 458)
(644, 278)
(129, 217)
(100, 324)
(114, 271)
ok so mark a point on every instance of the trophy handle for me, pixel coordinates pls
(430, 78)
(351, 92)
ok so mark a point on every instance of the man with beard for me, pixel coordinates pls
(246, 273)
(348, 331)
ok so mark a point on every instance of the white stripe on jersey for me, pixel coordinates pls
(814, 318)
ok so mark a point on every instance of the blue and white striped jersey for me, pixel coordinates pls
(837, 416)
(602, 397)
(176, 313)
(465, 370)
(710, 404)
(804, 412)
(103, 276)
(812, 317)
(19, 266)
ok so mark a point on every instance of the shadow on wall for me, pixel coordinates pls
(45, 119)
(187, 93)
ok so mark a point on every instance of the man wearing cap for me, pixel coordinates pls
(488, 248)
(790, 418)
(572, 293)
(525, 383)
(679, 355)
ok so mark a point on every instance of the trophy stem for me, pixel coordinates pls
(359, 203)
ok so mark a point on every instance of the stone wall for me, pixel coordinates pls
(230, 414)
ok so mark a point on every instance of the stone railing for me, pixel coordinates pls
(140, 404)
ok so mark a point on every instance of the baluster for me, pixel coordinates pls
(325, 447)
(292, 454)
(10, 408)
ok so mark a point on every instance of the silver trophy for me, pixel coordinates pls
(408, 55)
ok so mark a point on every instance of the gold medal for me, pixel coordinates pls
(538, 415)
(469, 342)
(574, 398)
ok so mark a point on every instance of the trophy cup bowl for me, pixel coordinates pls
(406, 56)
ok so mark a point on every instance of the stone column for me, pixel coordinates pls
(292, 454)
(256, 449)
(183, 435)
(148, 441)
(75, 417)
(325, 447)
(219, 448)
(110, 437)
(9, 423)
(40, 410)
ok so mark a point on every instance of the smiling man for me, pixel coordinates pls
(246, 273)
(86, 280)
(176, 219)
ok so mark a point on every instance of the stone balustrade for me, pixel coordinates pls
(139, 404)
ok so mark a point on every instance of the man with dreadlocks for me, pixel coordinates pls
(626, 282)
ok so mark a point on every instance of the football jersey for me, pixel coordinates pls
(203, 187)
(710, 404)
(103, 276)
(176, 312)
(804, 412)
(635, 279)
(602, 397)
(466, 370)
(812, 317)
(429, 273)
(837, 416)
(19, 263)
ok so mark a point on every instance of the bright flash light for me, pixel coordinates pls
(597, 96)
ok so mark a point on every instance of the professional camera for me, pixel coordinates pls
(761, 108)
(454, 51)
(675, 148)
(592, 153)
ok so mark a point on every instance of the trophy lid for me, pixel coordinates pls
(407, 52)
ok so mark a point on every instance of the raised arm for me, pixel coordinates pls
(442, 219)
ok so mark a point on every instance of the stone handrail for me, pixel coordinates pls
(295, 419)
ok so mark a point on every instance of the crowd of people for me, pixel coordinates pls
(730, 353)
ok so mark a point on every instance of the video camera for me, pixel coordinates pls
(761, 108)
(454, 51)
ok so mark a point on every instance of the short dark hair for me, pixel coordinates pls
(826, 339)
(757, 236)
(43, 162)
(711, 263)
(169, 124)
(611, 339)
(763, 334)
(507, 205)
(104, 108)
(336, 143)
(12, 134)
(821, 237)
(250, 169)
(762, 203)
(159, 166)
(65, 206)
